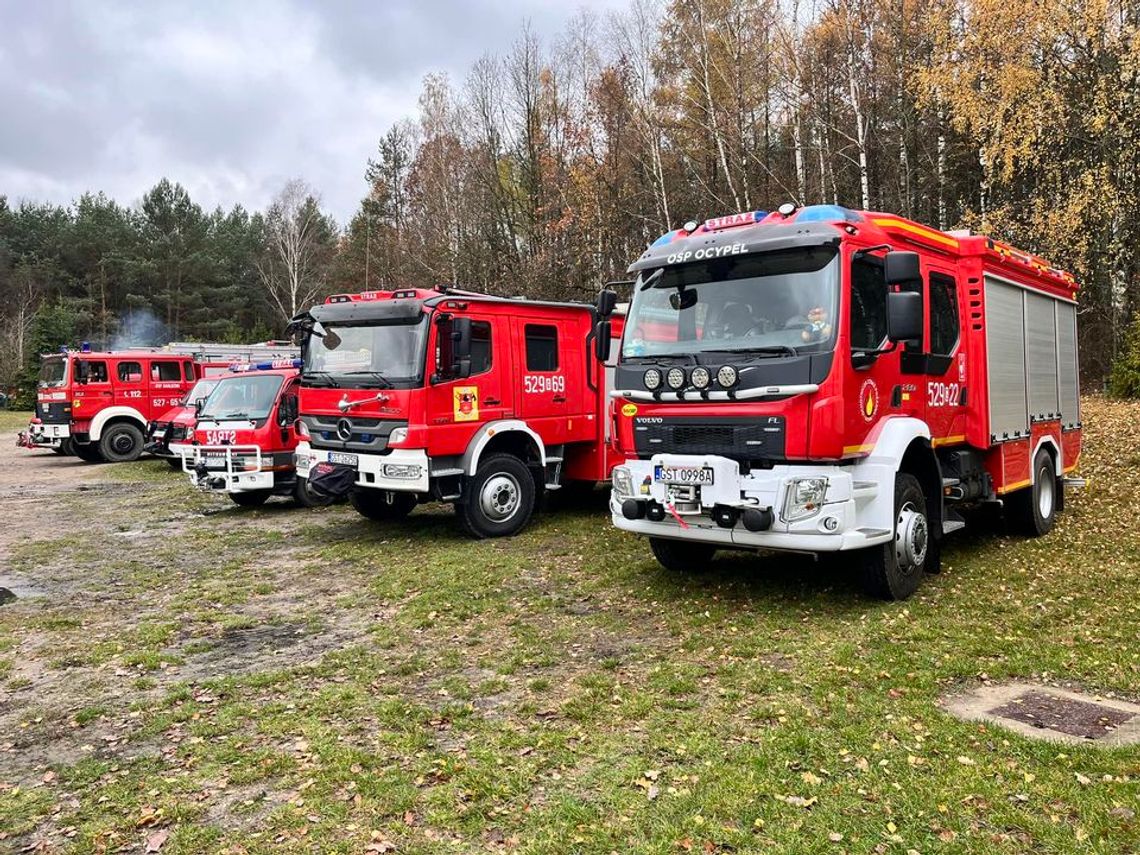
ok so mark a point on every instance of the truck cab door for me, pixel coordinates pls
(458, 406)
(944, 362)
(551, 381)
(130, 385)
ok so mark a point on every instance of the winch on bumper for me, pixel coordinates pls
(404, 470)
(226, 468)
(707, 498)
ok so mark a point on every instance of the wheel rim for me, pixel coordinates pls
(1044, 493)
(911, 538)
(499, 498)
(121, 443)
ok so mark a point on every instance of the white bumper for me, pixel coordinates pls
(843, 521)
(230, 468)
(48, 435)
(376, 471)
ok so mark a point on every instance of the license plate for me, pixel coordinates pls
(345, 459)
(698, 475)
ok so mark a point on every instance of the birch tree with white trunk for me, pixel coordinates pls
(300, 242)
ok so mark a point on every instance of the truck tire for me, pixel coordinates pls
(499, 499)
(88, 452)
(1033, 511)
(65, 448)
(251, 498)
(306, 498)
(682, 556)
(174, 463)
(894, 570)
(121, 442)
(382, 505)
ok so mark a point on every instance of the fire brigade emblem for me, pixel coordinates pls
(629, 410)
(466, 403)
(869, 399)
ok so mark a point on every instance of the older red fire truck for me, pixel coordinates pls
(483, 402)
(97, 404)
(820, 379)
(244, 438)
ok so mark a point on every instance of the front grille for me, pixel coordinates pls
(57, 412)
(742, 439)
(368, 435)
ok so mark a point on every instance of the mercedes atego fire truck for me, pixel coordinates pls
(483, 402)
(822, 380)
(244, 437)
(97, 404)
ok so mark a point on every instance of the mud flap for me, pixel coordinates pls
(332, 480)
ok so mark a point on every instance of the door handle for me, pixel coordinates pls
(492, 402)
(560, 399)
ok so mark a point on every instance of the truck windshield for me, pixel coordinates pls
(202, 389)
(774, 303)
(53, 373)
(245, 396)
(366, 354)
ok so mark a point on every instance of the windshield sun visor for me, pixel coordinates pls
(371, 311)
(735, 242)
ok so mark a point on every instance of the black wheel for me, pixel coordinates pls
(1033, 511)
(305, 496)
(499, 499)
(382, 505)
(121, 442)
(88, 452)
(682, 556)
(251, 498)
(174, 463)
(65, 448)
(894, 570)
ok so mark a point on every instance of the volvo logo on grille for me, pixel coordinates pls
(344, 429)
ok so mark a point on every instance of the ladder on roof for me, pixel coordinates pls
(209, 352)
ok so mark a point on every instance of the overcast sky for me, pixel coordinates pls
(228, 98)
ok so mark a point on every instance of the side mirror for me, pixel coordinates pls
(607, 301)
(900, 268)
(287, 411)
(603, 333)
(461, 348)
(904, 316)
(198, 404)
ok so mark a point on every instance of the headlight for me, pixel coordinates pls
(675, 378)
(401, 471)
(623, 483)
(804, 498)
(397, 435)
(726, 376)
(652, 379)
(700, 377)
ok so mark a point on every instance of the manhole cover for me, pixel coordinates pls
(1085, 719)
(1045, 712)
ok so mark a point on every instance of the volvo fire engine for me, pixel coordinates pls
(97, 404)
(244, 436)
(822, 380)
(483, 402)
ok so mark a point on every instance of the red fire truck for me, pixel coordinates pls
(820, 379)
(167, 435)
(96, 404)
(244, 438)
(480, 401)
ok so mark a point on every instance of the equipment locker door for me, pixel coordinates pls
(552, 384)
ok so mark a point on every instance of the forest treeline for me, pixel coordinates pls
(547, 169)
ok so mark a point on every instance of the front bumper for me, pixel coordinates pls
(375, 470)
(834, 525)
(40, 435)
(226, 468)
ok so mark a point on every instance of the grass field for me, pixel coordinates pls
(187, 676)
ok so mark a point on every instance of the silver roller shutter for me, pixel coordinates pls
(1067, 359)
(1041, 324)
(1005, 360)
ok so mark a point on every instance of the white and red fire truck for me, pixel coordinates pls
(480, 401)
(821, 380)
(97, 404)
(244, 438)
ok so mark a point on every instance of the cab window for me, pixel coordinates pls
(943, 314)
(96, 371)
(480, 347)
(165, 372)
(868, 304)
(541, 347)
(130, 372)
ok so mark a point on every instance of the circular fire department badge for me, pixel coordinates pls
(629, 410)
(869, 399)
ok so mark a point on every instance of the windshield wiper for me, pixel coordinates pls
(233, 416)
(768, 349)
(387, 383)
(331, 381)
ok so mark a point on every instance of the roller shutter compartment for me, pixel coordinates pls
(1005, 360)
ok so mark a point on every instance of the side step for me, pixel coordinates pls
(1073, 483)
(951, 521)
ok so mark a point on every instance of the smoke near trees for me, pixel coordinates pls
(547, 169)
